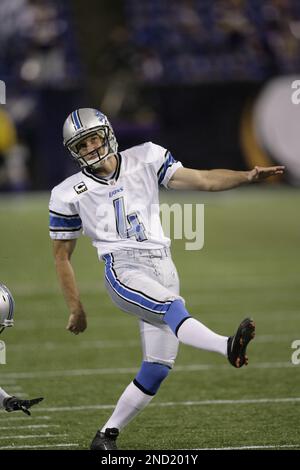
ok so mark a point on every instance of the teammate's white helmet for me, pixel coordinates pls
(7, 306)
(83, 123)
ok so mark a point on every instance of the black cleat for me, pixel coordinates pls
(16, 404)
(105, 440)
(237, 344)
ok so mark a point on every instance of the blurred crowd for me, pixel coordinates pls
(40, 67)
(132, 53)
(188, 41)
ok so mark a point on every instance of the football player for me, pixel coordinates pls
(114, 199)
(8, 402)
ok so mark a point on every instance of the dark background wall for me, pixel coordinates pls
(202, 123)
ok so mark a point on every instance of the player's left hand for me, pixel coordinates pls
(16, 404)
(259, 172)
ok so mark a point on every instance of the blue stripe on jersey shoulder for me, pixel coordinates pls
(130, 295)
(59, 221)
(169, 160)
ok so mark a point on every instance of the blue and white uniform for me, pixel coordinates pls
(121, 216)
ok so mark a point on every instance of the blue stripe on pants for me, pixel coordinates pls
(131, 295)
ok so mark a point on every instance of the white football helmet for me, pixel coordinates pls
(7, 306)
(85, 122)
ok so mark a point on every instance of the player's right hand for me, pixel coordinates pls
(77, 323)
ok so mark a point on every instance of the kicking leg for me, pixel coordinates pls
(192, 332)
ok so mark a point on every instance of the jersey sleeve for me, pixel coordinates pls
(165, 164)
(65, 223)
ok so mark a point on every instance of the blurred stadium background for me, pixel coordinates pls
(211, 81)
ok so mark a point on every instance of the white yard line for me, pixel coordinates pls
(256, 401)
(25, 418)
(30, 426)
(116, 344)
(133, 370)
(273, 446)
(53, 346)
(59, 324)
(32, 436)
(39, 446)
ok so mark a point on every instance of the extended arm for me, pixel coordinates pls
(219, 180)
(62, 250)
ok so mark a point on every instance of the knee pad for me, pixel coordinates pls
(176, 315)
(150, 376)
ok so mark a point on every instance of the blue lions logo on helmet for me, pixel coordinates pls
(100, 116)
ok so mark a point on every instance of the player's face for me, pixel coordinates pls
(88, 147)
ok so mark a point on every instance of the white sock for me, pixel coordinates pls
(194, 333)
(130, 403)
(3, 395)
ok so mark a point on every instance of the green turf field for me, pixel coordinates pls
(249, 265)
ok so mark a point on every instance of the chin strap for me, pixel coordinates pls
(96, 166)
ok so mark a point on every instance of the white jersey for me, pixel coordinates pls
(118, 213)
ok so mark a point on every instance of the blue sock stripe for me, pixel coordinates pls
(150, 376)
(176, 315)
(142, 389)
(131, 295)
(180, 323)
